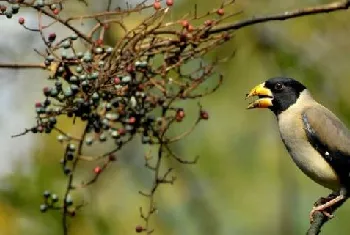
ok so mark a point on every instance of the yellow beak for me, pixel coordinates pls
(265, 95)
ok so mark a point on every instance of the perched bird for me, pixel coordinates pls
(317, 141)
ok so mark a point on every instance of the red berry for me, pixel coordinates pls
(183, 37)
(139, 229)
(3, 8)
(72, 213)
(190, 28)
(130, 68)
(121, 131)
(157, 5)
(169, 3)
(106, 26)
(141, 87)
(204, 115)
(21, 20)
(99, 42)
(208, 22)
(180, 114)
(226, 36)
(132, 120)
(38, 104)
(97, 170)
(40, 129)
(220, 12)
(184, 23)
(46, 90)
(116, 80)
(56, 11)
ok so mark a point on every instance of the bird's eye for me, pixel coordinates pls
(279, 86)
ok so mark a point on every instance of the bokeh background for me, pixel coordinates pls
(244, 183)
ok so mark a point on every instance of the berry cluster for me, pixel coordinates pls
(134, 88)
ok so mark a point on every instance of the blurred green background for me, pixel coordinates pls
(244, 183)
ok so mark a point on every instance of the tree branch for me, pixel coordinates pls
(319, 219)
(325, 8)
(22, 65)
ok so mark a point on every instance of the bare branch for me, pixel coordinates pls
(321, 9)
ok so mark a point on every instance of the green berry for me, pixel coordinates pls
(98, 50)
(126, 79)
(71, 147)
(82, 77)
(94, 75)
(141, 64)
(69, 200)
(8, 14)
(43, 208)
(53, 92)
(115, 134)
(109, 50)
(54, 198)
(74, 37)
(73, 78)
(103, 138)
(66, 44)
(79, 69)
(46, 194)
(68, 92)
(80, 55)
(60, 69)
(61, 138)
(88, 141)
(95, 96)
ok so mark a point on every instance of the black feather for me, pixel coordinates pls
(338, 160)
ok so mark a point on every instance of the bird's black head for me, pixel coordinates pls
(277, 94)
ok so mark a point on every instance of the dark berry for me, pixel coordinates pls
(112, 158)
(180, 114)
(52, 37)
(66, 170)
(69, 156)
(204, 115)
(139, 229)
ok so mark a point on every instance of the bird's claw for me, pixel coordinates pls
(321, 209)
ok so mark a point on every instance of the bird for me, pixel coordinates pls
(315, 138)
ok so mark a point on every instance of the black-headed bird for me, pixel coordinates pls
(317, 141)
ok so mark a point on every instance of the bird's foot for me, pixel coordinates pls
(322, 209)
(328, 205)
